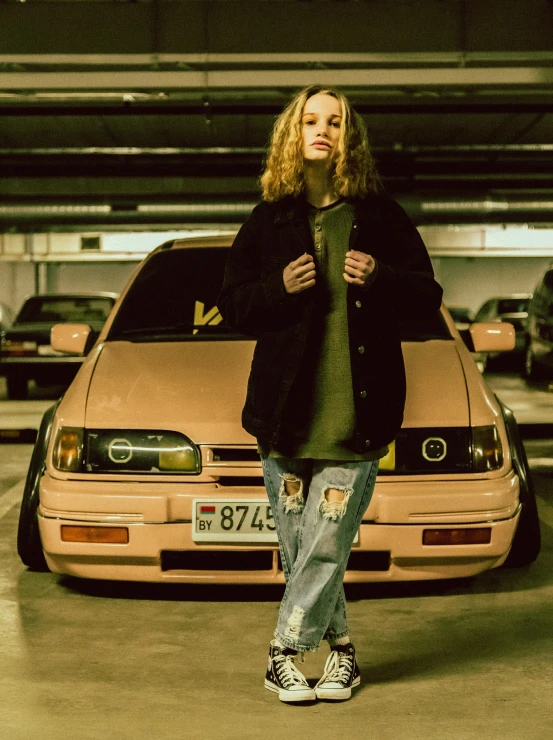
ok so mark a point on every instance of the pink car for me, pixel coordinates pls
(142, 471)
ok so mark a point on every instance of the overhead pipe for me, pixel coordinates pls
(422, 210)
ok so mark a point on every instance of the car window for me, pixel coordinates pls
(512, 305)
(174, 297)
(65, 308)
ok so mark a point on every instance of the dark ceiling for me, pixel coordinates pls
(172, 102)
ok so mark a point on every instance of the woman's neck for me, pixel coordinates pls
(318, 187)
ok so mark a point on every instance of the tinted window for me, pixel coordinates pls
(51, 309)
(174, 296)
(512, 305)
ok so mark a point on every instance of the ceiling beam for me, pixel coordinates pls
(495, 77)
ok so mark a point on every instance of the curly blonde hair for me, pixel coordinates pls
(354, 172)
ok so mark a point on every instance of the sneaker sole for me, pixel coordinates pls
(337, 694)
(292, 696)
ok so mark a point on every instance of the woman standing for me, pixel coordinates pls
(319, 274)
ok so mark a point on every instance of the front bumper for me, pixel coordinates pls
(161, 546)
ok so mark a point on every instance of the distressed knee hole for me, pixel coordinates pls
(291, 493)
(334, 501)
(293, 625)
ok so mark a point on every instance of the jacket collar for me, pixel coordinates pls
(289, 209)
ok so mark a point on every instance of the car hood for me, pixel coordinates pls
(198, 388)
(195, 387)
(436, 387)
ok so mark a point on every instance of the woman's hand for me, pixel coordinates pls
(299, 274)
(358, 267)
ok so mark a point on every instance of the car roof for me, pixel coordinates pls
(79, 294)
(223, 240)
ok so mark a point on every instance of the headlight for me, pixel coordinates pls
(68, 449)
(131, 451)
(428, 450)
(487, 452)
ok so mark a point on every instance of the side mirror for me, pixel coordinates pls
(70, 338)
(493, 336)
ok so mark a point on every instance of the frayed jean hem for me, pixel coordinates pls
(294, 645)
(337, 636)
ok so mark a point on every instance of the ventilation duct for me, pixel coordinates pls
(421, 210)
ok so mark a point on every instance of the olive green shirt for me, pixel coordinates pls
(331, 414)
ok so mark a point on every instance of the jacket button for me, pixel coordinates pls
(358, 304)
(360, 349)
(363, 394)
(354, 226)
(367, 443)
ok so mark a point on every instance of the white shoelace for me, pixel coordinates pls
(338, 667)
(288, 675)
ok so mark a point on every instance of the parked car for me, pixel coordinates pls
(142, 471)
(512, 308)
(6, 318)
(25, 349)
(538, 350)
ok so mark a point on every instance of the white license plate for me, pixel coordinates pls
(232, 520)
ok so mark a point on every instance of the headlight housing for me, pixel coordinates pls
(419, 451)
(125, 451)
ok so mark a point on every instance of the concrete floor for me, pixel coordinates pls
(456, 660)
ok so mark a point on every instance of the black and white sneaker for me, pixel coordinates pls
(284, 678)
(341, 674)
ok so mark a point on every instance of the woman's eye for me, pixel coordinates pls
(309, 123)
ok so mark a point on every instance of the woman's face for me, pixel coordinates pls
(321, 121)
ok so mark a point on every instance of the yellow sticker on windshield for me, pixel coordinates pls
(212, 317)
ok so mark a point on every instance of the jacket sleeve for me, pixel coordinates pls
(404, 279)
(253, 298)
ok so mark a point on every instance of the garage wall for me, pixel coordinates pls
(17, 279)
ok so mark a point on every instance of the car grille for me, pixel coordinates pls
(241, 480)
(235, 454)
(217, 560)
(250, 560)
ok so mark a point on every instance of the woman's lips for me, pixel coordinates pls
(320, 145)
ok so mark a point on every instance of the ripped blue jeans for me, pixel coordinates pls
(315, 537)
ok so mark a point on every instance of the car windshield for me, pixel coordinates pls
(77, 309)
(512, 305)
(175, 293)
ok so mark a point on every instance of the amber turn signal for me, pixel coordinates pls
(68, 449)
(105, 535)
(477, 536)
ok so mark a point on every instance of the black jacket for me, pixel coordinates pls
(254, 301)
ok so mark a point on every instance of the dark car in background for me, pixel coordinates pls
(25, 350)
(512, 309)
(538, 350)
(6, 318)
